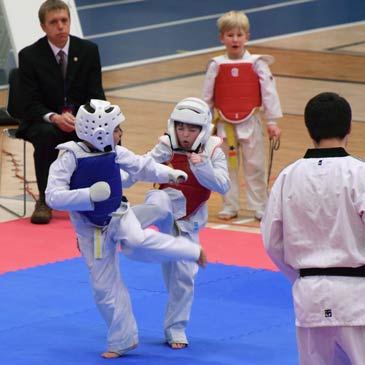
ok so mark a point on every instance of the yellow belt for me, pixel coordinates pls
(232, 146)
(98, 243)
(231, 140)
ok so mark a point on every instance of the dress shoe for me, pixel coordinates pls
(42, 213)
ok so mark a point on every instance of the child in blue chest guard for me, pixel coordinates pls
(181, 209)
(86, 180)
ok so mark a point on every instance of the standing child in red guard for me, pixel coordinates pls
(237, 85)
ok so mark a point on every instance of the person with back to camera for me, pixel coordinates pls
(52, 92)
(86, 180)
(182, 209)
(314, 231)
(237, 84)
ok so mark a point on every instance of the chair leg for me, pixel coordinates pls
(24, 210)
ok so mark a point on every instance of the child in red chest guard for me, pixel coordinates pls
(237, 85)
(181, 209)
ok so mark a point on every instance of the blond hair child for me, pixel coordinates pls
(237, 85)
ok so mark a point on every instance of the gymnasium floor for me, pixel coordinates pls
(154, 53)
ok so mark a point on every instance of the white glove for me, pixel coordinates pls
(99, 191)
(177, 176)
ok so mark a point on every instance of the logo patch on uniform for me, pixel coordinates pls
(320, 163)
(234, 72)
(328, 313)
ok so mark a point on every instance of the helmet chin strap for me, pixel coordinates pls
(178, 149)
(188, 151)
(93, 149)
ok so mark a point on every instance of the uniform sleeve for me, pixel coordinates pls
(127, 180)
(58, 193)
(269, 94)
(209, 82)
(212, 172)
(161, 153)
(272, 232)
(142, 168)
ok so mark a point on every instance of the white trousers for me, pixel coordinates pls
(179, 276)
(251, 155)
(110, 294)
(340, 345)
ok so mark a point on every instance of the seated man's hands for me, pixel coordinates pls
(64, 121)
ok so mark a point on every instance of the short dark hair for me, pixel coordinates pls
(327, 115)
(178, 124)
(51, 5)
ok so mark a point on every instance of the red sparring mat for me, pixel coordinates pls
(25, 245)
(235, 248)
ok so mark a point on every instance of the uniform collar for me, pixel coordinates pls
(326, 152)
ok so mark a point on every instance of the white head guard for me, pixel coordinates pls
(96, 121)
(191, 111)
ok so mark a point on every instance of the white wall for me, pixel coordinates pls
(21, 17)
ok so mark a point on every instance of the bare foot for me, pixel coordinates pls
(178, 346)
(202, 260)
(115, 355)
(110, 355)
(227, 216)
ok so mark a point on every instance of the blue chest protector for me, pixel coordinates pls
(92, 168)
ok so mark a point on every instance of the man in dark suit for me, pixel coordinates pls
(53, 87)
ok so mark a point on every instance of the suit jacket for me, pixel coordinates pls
(42, 86)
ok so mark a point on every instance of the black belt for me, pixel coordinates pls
(334, 271)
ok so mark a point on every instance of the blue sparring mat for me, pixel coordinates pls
(240, 316)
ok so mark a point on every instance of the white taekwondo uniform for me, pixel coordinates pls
(110, 294)
(314, 219)
(162, 207)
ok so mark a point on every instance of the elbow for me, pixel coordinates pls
(226, 187)
(53, 202)
(50, 202)
(223, 190)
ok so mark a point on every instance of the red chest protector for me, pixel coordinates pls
(236, 91)
(195, 194)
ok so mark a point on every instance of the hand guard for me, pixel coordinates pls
(177, 176)
(99, 191)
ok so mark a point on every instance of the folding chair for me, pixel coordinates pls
(14, 115)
